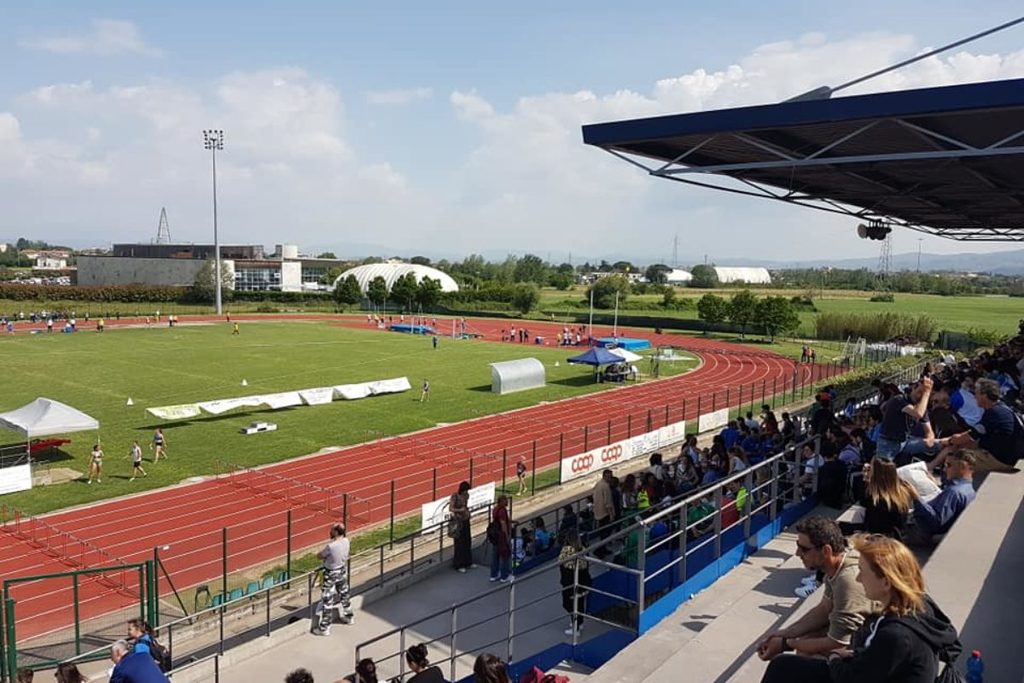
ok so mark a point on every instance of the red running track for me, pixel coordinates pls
(421, 466)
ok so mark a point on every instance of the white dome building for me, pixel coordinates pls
(391, 271)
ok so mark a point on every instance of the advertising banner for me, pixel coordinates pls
(709, 421)
(17, 478)
(435, 512)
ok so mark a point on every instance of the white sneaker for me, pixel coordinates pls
(507, 579)
(493, 579)
(461, 570)
(805, 591)
(809, 580)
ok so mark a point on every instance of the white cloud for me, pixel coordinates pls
(399, 96)
(106, 37)
(534, 151)
(104, 159)
(288, 170)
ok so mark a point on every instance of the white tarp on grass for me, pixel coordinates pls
(223, 405)
(351, 392)
(46, 417)
(314, 397)
(390, 386)
(285, 399)
(317, 396)
(178, 412)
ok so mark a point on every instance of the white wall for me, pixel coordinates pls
(291, 276)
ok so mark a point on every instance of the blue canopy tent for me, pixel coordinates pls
(596, 356)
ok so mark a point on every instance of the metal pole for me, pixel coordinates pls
(216, 239)
(391, 531)
(511, 619)
(451, 643)
(288, 540)
(78, 627)
(533, 470)
(12, 643)
(504, 468)
(434, 485)
(586, 438)
(590, 335)
(224, 564)
(154, 619)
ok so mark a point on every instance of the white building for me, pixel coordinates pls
(749, 275)
(391, 271)
(678, 276)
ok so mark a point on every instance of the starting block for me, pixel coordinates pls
(258, 427)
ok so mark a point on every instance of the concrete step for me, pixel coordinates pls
(713, 636)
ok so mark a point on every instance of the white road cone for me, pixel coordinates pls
(556, 363)
(129, 402)
(244, 383)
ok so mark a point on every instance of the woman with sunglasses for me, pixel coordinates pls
(902, 645)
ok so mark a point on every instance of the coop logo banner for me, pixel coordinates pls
(597, 459)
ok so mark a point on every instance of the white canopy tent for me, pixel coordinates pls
(626, 355)
(41, 417)
(45, 417)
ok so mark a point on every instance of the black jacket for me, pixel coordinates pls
(882, 519)
(429, 675)
(899, 649)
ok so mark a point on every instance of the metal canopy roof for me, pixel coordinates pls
(947, 161)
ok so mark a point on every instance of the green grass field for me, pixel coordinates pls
(959, 313)
(159, 366)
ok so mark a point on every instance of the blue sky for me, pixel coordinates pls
(445, 127)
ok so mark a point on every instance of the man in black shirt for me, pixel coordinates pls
(998, 431)
(900, 415)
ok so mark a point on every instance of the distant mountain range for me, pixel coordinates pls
(1002, 262)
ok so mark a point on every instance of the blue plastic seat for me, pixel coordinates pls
(236, 593)
(218, 600)
(268, 582)
(252, 587)
(282, 576)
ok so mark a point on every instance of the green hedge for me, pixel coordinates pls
(104, 293)
(857, 380)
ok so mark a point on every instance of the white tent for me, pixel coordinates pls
(626, 355)
(45, 417)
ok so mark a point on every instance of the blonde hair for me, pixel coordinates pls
(891, 560)
(886, 488)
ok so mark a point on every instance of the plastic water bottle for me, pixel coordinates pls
(975, 668)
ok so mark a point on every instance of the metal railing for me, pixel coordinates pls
(518, 617)
(740, 505)
(258, 614)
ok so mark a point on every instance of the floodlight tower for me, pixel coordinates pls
(213, 140)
